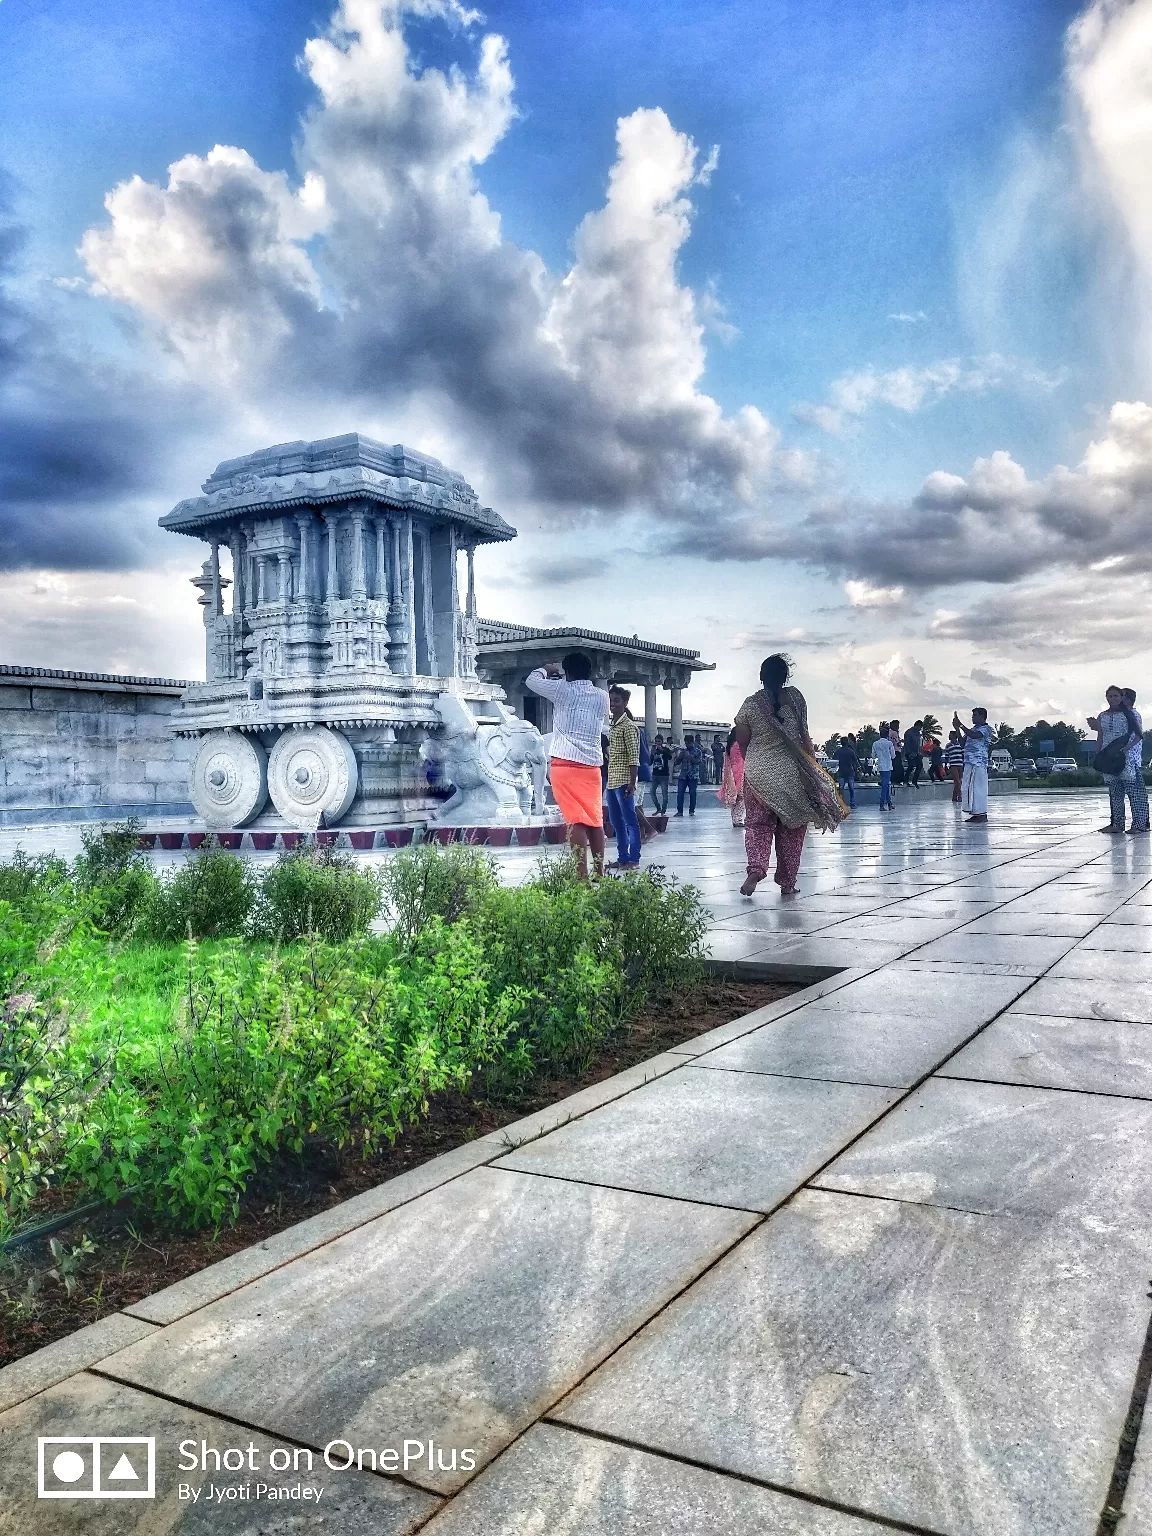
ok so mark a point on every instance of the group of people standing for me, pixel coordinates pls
(1119, 757)
(777, 789)
(964, 759)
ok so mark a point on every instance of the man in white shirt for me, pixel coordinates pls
(977, 745)
(579, 712)
(884, 752)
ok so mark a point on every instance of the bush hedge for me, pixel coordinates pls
(165, 1037)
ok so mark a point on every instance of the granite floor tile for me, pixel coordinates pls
(890, 1049)
(1137, 1519)
(730, 1138)
(823, 949)
(910, 1362)
(1006, 1150)
(892, 928)
(457, 1319)
(556, 1482)
(901, 989)
(1107, 967)
(352, 1503)
(775, 920)
(1128, 938)
(1064, 925)
(1091, 1055)
(739, 943)
(1138, 916)
(975, 949)
(1065, 997)
(1078, 902)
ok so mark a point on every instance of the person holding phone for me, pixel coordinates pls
(579, 709)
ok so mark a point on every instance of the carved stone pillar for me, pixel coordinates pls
(650, 725)
(469, 647)
(359, 579)
(408, 577)
(677, 716)
(305, 578)
(284, 595)
(381, 561)
(261, 580)
(239, 592)
(400, 651)
(333, 588)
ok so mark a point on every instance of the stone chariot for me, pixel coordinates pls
(345, 663)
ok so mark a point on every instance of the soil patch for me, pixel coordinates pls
(132, 1258)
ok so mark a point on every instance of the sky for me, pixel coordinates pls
(768, 325)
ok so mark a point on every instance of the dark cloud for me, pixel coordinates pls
(80, 445)
(985, 679)
(1065, 622)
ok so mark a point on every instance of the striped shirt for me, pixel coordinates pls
(954, 755)
(623, 751)
(578, 714)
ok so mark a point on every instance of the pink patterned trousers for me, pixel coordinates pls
(762, 827)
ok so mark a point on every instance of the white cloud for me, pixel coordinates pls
(911, 389)
(380, 284)
(1109, 69)
(906, 318)
(861, 595)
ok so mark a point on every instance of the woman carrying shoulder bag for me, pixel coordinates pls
(1117, 733)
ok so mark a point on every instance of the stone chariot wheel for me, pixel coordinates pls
(312, 773)
(229, 779)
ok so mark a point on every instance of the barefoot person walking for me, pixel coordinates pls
(785, 789)
(579, 710)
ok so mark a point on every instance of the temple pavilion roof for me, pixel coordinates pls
(330, 471)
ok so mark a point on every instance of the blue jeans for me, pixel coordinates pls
(847, 784)
(622, 809)
(660, 792)
(681, 786)
(886, 790)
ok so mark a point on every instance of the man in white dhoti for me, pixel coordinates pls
(977, 745)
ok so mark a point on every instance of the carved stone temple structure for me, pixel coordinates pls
(345, 646)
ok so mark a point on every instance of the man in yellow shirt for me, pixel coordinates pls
(623, 766)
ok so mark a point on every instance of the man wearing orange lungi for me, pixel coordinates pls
(579, 711)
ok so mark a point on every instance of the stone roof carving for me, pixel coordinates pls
(497, 632)
(334, 469)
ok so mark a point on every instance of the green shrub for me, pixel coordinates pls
(44, 1087)
(429, 882)
(29, 881)
(659, 927)
(554, 950)
(115, 877)
(337, 1042)
(316, 891)
(210, 896)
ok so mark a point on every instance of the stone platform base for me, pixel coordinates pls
(869, 794)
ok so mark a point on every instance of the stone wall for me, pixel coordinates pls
(87, 746)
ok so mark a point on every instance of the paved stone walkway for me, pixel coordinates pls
(875, 1257)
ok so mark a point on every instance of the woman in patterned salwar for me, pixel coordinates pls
(785, 789)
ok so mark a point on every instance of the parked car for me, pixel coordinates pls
(1065, 765)
(1024, 765)
(1044, 764)
(1000, 760)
